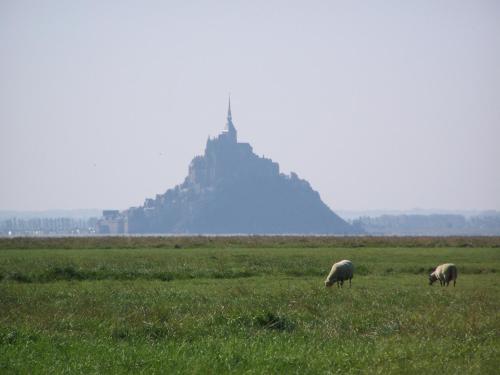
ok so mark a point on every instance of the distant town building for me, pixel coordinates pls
(112, 222)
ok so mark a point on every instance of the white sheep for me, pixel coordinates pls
(341, 271)
(444, 273)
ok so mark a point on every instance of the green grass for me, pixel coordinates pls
(247, 310)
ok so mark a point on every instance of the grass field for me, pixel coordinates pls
(213, 306)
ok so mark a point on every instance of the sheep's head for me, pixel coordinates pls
(432, 278)
(330, 281)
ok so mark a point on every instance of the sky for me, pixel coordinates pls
(378, 104)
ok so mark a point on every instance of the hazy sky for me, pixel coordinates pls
(378, 104)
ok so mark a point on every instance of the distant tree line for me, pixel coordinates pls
(47, 226)
(402, 225)
(437, 224)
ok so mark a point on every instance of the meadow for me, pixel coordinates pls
(247, 304)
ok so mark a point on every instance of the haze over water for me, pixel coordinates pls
(378, 105)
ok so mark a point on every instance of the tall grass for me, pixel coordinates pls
(259, 310)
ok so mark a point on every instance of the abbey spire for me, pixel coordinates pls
(229, 117)
(229, 129)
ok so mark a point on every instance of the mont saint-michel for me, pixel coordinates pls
(231, 190)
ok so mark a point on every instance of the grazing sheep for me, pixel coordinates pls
(341, 271)
(444, 273)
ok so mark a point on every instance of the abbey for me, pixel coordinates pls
(231, 190)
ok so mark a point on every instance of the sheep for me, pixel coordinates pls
(341, 271)
(444, 273)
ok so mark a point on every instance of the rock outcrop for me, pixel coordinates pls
(231, 190)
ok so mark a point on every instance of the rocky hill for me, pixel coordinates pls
(231, 190)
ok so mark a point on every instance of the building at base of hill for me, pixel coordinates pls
(112, 222)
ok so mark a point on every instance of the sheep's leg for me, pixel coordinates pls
(338, 284)
(454, 282)
(341, 283)
(350, 282)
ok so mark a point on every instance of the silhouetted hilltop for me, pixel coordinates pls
(232, 190)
